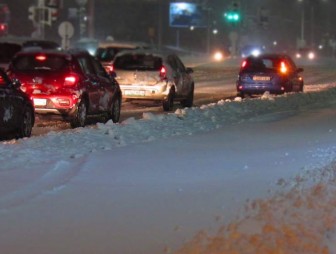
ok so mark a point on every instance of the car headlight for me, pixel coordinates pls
(311, 55)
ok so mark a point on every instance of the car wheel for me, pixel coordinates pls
(168, 103)
(188, 102)
(79, 119)
(241, 94)
(115, 110)
(27, 123)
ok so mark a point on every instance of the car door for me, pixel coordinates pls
(176, 75)
(185, 78)
(11, 105)
(106, 85)
(91, 82)
(294, 75)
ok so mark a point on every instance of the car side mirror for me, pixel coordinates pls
(16, 83)
(189, 70)
(112, 74)
(299, 70)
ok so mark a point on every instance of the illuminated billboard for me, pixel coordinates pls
(186, 15)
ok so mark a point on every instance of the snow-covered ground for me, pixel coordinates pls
(240, 176)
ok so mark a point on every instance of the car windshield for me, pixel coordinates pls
(107, 54)
(138, 62)
(39, 62)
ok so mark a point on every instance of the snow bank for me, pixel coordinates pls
(76, 143)
(298, 220)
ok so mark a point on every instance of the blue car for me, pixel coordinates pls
(275, 73)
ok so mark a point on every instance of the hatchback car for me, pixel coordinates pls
(275, 73)
(70, 84)
(106, 51)
(17, 114)
(151, 75)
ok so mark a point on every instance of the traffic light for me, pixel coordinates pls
(3, 28)
(233, 15)
(32, 13)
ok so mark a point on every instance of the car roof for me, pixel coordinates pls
(122, 44)
(154, 52)
(65, 53)
(269, 55)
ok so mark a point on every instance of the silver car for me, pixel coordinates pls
(151, 75)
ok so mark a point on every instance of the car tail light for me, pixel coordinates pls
(163, 73)
(244, 63)
(283, 68)
(41, 58)
(71, 80)
(109, 68)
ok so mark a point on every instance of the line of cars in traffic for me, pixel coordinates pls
(74, 86)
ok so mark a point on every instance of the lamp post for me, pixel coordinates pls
(82, 17)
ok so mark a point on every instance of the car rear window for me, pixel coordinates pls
(138, 62)
(40, 62)
(107, 54)
(260, 64)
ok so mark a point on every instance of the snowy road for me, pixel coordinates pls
(149, 185)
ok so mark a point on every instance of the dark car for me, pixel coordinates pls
(275, 73)
(41, 44)
(71, 84)
(305, 54)
(7, 52)
(155, 76)
(16, 109)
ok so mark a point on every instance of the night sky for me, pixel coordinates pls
(139, 20)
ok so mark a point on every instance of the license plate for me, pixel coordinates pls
(134, 92)
(261, 78)
(40, 102)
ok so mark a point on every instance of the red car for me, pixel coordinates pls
(70, 84)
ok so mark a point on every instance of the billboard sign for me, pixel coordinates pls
(184, 14)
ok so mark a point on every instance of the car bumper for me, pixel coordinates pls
(143, 92)
(55, 104)
(260, 88)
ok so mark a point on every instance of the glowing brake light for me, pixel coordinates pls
(109, 68)
(244, 64)
(70, 80)
(41, 58)
(163, 72)
(283, 68)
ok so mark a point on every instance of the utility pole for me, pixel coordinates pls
(91, 18)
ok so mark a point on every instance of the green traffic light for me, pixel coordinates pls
(232, 16)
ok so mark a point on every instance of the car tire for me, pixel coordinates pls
(241, 94)
(79, 119)
(27, 123)
(114, 113)
(188, 102)
(168, 103)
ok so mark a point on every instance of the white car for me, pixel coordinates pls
(152, 75)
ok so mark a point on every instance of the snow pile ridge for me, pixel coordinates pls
(188, 121)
